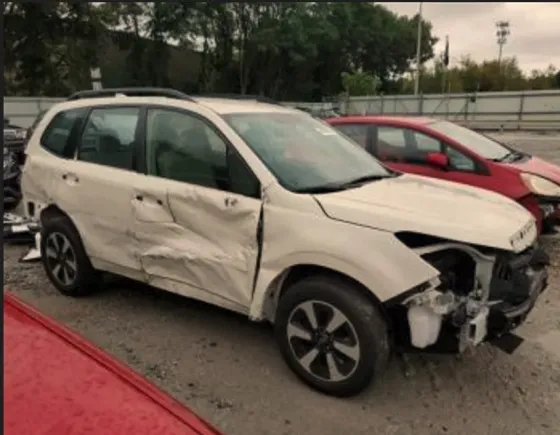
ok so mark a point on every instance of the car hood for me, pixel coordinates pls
(410, 203)
(538, 166)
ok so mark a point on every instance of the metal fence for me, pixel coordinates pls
(493, 110)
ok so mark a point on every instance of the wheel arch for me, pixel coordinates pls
(52, 211)
(298, 272)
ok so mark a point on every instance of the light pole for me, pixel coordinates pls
(418, 51)
(502, 33)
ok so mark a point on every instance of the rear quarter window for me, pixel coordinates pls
(56, 136)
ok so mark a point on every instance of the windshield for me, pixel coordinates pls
(305, 153)
(476, 142)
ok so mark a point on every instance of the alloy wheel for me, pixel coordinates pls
(323, 340)
(61, 258)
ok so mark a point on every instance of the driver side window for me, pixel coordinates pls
(183, 147)
(458, 161)
(426, 143)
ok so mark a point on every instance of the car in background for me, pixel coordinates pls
(264, 210)
(445, 150)
(15, 139)
(320, 112)
(12, 179)
(55, 382)
(36, 121)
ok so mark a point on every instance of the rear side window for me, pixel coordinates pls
(108, 137)
(57, 134)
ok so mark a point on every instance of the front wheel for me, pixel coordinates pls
(331, 335)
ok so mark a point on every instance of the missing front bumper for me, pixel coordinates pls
(516, 284)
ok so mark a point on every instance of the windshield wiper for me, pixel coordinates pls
(325, 188)
(336, 187)
(510, 157)
(367, 179)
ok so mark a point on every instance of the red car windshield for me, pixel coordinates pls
(476, 142)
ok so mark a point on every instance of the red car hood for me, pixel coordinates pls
(540, 167)
(57, 383)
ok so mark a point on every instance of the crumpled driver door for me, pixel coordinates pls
(196, 241)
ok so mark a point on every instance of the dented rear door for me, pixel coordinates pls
(193, 239)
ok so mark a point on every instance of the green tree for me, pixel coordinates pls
(360, 83)
(287, 50)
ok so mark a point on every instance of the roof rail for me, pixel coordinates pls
(258, 98)
(131, 92)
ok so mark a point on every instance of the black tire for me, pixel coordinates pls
(368, 323)
(86, 279)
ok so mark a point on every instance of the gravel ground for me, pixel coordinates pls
(229, 371)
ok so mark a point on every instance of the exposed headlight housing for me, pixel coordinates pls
(540, 186)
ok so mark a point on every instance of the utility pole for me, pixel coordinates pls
(445, 64)
(418, 51)
(502, 33)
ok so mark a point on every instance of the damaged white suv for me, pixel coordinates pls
(263, 210)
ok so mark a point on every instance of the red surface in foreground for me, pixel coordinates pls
(56, 383)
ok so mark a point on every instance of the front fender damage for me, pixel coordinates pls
(478, 296)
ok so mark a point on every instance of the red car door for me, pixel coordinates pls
(406, 149)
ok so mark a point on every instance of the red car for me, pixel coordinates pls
(57, 383)
(442, 149)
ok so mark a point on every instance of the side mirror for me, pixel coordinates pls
(439, 160)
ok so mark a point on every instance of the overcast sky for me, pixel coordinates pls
(534, 27)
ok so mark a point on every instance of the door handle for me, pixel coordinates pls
(230, 202)
(67, 177)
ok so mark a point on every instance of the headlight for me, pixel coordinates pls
(540, 186)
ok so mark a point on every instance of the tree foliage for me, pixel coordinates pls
(485, 76)
(284, 50)
(359, 83)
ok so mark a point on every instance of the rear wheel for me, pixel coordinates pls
(65, 260)
(332, 336)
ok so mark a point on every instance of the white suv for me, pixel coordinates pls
(263, 210)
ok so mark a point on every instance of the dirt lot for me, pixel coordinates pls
(229, 371)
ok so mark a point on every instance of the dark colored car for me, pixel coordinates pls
(15, 138)
(55, 382)
(445, 150)
(12, 176)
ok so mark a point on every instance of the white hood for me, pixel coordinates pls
(438, 208)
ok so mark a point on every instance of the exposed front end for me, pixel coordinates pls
(481, 295)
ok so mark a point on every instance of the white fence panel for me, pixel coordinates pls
(510, 110)
(538, 109)
(23, 110)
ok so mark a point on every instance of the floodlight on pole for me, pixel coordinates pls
(502, 33)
